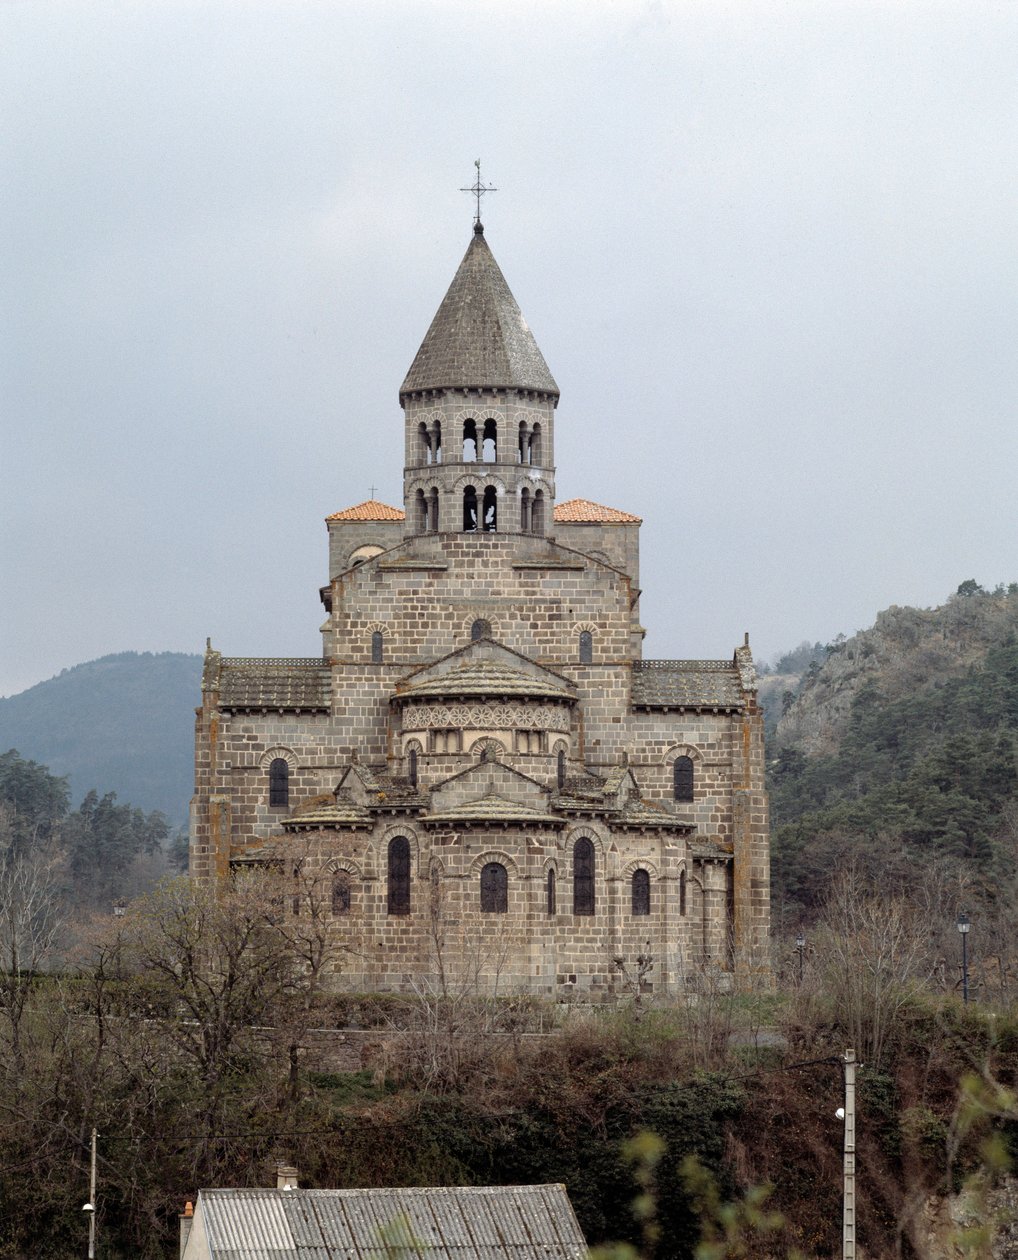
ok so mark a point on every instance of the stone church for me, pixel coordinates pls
(481, 771)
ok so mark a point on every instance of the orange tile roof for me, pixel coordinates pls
(369, 510)
(583, 510)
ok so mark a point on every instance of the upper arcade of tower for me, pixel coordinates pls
(479, 412)
(479, 338)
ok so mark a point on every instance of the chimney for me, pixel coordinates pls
(186, 1221)
(286, 1177)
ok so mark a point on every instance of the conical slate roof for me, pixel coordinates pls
(479, 338)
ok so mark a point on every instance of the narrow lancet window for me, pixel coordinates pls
(586, 648)
(434, 509)
(490, 509)
(411, 767)
(279, 782)
(377, 647)
(469, 509)
(494, 889)
(422, 513)
(399, 875)
(489, 442)
(551, 892)
(683, 778)
(341, 893)
(524, 511)
(469, 441)
(583, 876)
(641, 892)
(537, 513)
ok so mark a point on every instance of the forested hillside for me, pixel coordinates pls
(898, 755)
(123, 723)
(104, 851)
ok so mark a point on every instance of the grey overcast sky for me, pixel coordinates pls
(767, 249)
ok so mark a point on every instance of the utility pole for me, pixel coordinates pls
(91, 1199)
(848, 1223)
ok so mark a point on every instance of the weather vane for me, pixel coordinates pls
(479, 190)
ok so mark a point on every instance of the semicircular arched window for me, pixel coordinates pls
(682, 773)
(586, 647)
(641, 892)
(279, 781)
(494, 888)
(341, 893)
(583, 876)
(398, 873)
(377, 647)
(551, 892)
(481, 629)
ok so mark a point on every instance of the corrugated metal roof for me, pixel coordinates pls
(493, 1222)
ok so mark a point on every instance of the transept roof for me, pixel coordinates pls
(479, 338)
(369, 510)
(585, 510)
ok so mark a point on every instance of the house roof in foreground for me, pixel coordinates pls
(489, 1222)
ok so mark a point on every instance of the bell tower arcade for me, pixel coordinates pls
(479, 406)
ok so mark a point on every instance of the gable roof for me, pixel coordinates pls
(586, 511)
(479, 338)
(698, 685)
(284, 683)
(489, 654)
(488, 1222)
(369, 510)
(477, 678)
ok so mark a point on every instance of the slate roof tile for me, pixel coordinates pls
(297, 683)
(687, 685)
(479, 338)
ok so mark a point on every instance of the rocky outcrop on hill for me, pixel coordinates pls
(906, 650)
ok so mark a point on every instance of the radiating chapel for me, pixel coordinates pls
(481, 771)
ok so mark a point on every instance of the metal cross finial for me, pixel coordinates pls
(373, 491)
(479, 189)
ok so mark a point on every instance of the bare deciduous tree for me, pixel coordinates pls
(873, 954)
(29, 924)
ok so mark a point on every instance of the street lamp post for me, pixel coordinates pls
(800, 945)
(963, 928)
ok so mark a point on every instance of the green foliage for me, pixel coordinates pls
(103, 838)
(931, 773)
(37, 801)
(731, 1228)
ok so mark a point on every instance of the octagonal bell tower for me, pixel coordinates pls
(479, 406)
